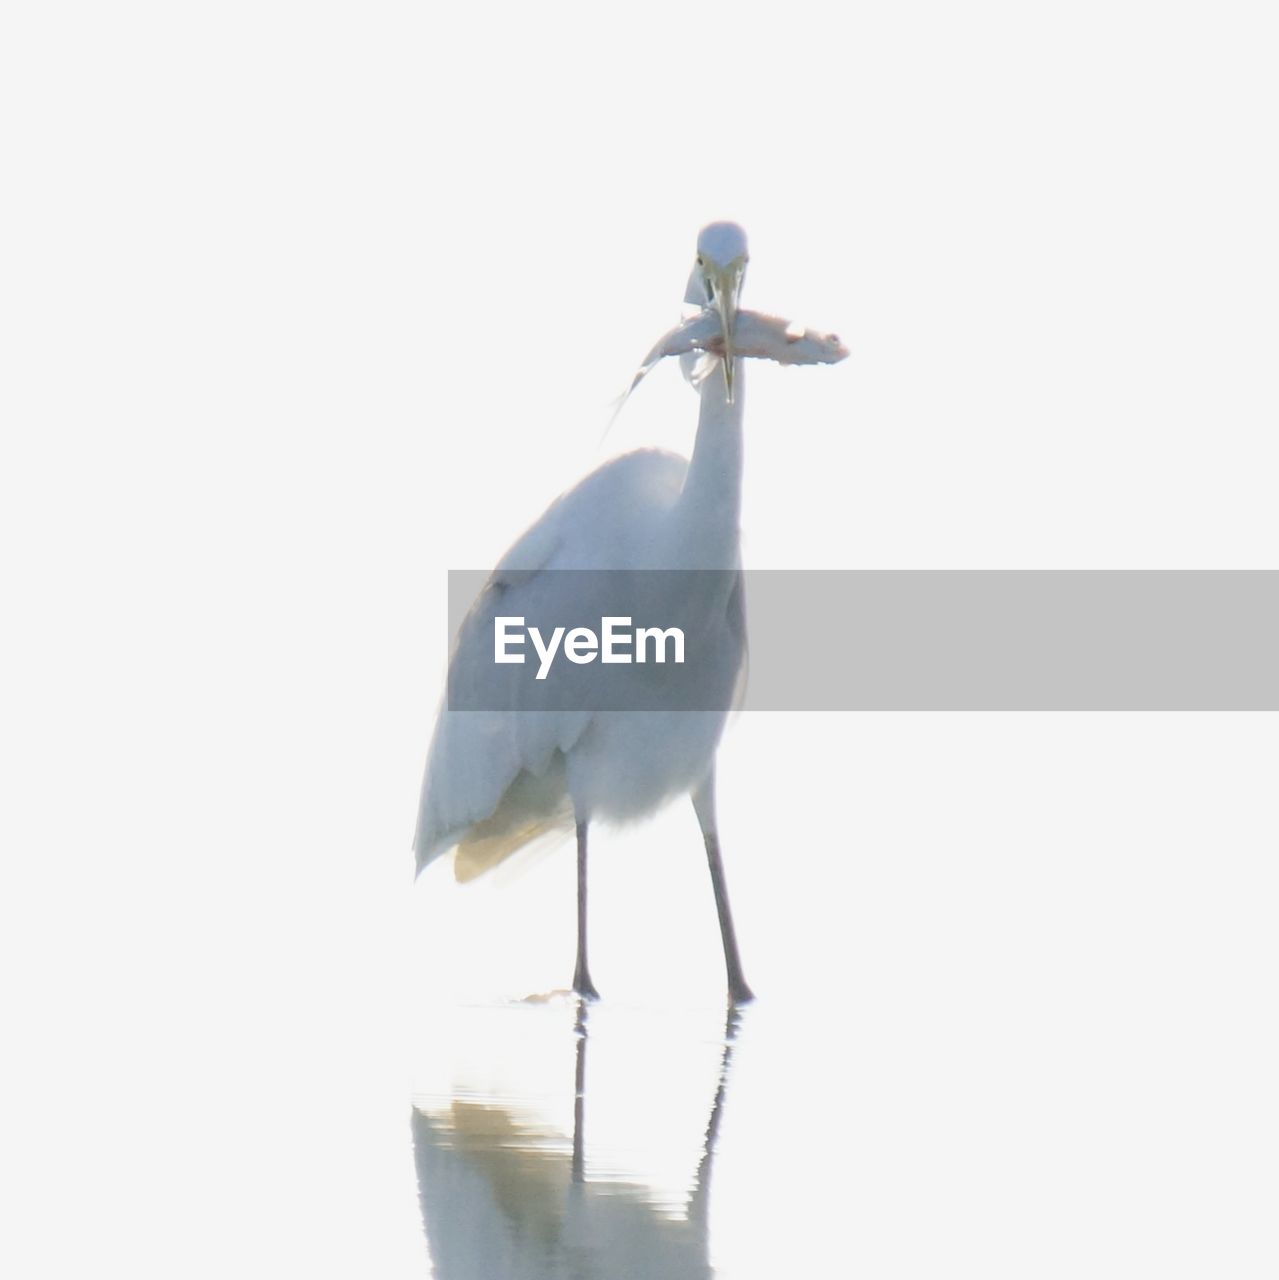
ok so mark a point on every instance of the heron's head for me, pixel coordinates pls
(718, 272)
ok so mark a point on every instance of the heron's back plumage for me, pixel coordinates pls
(496, 779)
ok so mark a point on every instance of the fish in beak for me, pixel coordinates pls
(726, 287)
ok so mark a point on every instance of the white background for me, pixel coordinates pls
(304, 304)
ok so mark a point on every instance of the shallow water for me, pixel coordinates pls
(1025, 1028)
(1017, 983)
(574, 1140)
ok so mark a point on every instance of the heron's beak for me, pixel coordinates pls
(726, 287)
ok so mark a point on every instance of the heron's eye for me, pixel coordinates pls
(700, 262)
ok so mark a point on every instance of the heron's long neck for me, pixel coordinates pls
(708, 513)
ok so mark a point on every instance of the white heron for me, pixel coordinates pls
(498, 778)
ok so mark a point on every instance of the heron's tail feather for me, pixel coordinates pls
(481, 852)
(532, 806)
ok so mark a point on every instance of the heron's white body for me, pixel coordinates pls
(508, 763)
(497, 778)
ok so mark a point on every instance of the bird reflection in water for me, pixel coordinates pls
(503, 1199)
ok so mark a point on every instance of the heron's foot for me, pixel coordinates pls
(561, 995)
(583, 985)
(739, 992)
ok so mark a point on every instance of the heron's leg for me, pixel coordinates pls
(704, 804)
(582, 983)
(579, 1095)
